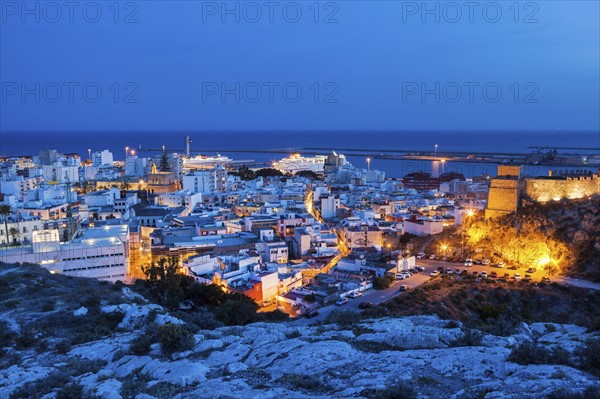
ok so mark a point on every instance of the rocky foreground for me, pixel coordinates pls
(373, 358)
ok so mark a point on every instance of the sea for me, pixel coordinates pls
(360, 143)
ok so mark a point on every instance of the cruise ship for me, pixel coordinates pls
(296, 163)
(205, 161)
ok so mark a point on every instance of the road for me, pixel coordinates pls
(374, 296)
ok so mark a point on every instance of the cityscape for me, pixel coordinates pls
(224, 200)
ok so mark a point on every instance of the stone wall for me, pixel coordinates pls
(503, 197)
(545, 190)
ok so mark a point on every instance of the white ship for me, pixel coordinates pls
(297, 162)
(205, 161)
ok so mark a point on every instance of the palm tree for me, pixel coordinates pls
(5, 211)
(14, 232)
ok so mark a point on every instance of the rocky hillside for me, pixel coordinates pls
(562, 237)
(131, 348)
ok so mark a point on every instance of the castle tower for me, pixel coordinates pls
(504, 192)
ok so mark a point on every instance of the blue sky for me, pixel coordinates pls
(369, 68)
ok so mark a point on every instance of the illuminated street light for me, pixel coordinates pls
(435, 151)
(369, 164)
(126, 151)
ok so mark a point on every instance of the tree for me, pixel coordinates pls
(5, 211)
(244, 173)
(164, 276)
(164, 165)
(308, 174)
(15, 233)
(268, 172)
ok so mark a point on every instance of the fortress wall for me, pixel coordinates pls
(544, 190)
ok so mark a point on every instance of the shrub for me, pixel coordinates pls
(140, 345)
(589, 392)
(199, 319)
(174, 338)
(469, 337)
(344, 318)
(7, 336)
(304, 382)
(26, 339)
(237, 313)
(399, 391)
(587, 356)
(72, 390)
(274, 316)
(381, 283)
(452, 324)
(534, 353)
(293, 334)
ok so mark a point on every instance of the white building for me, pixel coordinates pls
(102, 158)
(100, 253)
(60, 174)
(329, 206)
(135, 166)
(205, 181)
(20, 228)
(177, 199)
(423, 227)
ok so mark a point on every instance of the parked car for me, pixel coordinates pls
(485, 262)
(311, 313)
(431, 256)
(354, 295)
(469, 262)
(500, 265)
(448, 271)
(365, 305)
(341, 301)
(464, 272)
(404, 288)
(493, 275)
(528, 277)
(506, 275)
(420, 255)
(517, 276)
(483, 274)
(513, 267)
(457, 271)
(475, 274)
(545, 280)
(531, 270)
(434, 273)
(400, 276)
(419, 268)
(264, 304)
(478, 262)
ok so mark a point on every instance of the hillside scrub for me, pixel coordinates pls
(496, 307)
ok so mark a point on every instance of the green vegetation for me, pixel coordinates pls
(312, 383)
(496, 308)
(174, 338)
(401, 390)
(381, 283)
(535, 353)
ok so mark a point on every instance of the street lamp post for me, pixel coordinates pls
(369, 164)
(435, 151)
(126, 151)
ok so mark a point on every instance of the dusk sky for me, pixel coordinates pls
(369, 67)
